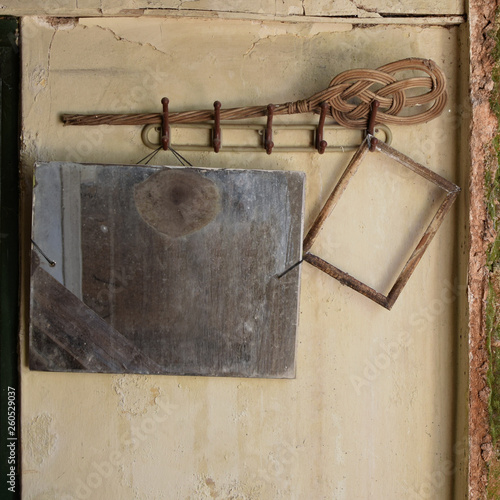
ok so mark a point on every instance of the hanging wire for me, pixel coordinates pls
(51, 262)
(148, 157)
(180, 158)
(279, 276)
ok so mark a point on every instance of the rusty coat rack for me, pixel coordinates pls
(355, 99)
(347, 100)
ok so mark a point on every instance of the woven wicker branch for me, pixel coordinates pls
(349, 96)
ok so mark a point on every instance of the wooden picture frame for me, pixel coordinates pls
(388, 300)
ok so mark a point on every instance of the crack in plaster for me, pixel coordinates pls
(252, 47)
(308, 34)
(40, 78)
(49, 55)
(262, 38)
(367, 10)
(265, 38)
(134, 42)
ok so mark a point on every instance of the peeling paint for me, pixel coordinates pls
(227, 488)
(58, 23)
(38, 80)
(295, 10)
(136, 394)
(39, 440)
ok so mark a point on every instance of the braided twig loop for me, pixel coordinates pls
(391, 95)
(349, 96)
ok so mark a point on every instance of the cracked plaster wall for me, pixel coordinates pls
(359, 8)
(360, 420)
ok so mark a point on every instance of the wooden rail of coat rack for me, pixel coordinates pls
(356, 99)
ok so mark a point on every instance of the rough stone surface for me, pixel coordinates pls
(483, 128)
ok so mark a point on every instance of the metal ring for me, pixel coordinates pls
(145, 135)
(387, 131)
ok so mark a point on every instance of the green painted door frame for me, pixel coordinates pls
(9, 259)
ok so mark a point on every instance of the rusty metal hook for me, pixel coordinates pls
(268, 140)
(320, 142)
(217, 135)
(165, 127)
(370, 131)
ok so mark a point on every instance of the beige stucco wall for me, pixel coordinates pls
(373, 410)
